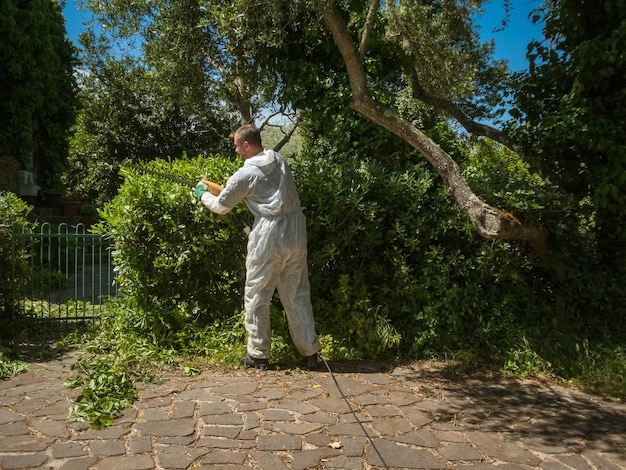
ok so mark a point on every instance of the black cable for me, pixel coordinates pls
(354, 414)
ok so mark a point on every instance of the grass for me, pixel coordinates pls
(9, 368)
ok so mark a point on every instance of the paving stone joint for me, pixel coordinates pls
(417, 416)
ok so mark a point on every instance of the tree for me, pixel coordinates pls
(127, 115)
(395, 66)
(389, 54)
(196, 49)
(162, 79)
(37, 86)
(571, 112)
(489, 222)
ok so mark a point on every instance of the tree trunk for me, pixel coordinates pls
(488, 221)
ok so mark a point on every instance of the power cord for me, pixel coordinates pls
(354, 414)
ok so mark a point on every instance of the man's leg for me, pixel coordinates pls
(259, 290)
(295, 295)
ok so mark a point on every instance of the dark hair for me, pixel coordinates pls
(249, 133)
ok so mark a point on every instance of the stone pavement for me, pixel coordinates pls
(415, 416)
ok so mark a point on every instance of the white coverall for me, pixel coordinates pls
(277, 251)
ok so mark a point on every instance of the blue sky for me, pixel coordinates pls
(510, 43)
(74, 20)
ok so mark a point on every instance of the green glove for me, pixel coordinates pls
(200, 190)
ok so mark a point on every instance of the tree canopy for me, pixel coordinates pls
(37, 86)
(363, 66)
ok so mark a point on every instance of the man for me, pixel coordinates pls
(277, 247)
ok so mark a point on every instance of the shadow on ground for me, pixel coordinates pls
(546, 411)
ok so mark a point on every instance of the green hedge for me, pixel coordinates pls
(176, 261)
(395, 267)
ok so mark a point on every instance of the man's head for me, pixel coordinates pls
(248, 141)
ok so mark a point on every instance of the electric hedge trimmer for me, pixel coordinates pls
(213, 188)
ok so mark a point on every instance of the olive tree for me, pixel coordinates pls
(388, 59)
(490, 222)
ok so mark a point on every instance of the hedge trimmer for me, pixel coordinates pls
(213, 188)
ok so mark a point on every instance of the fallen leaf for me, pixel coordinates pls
(335, 445)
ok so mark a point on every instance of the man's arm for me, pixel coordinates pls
(211, 202)
(208, 193)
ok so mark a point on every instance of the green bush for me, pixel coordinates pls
(176, 261)
(13, 257)
(396, 269)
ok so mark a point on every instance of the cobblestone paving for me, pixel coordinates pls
(412, 417)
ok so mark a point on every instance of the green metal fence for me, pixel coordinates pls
(71, 273)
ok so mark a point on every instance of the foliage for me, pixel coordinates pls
(108, 389)
(10, 368)
(599, 367)
(444, 55)
(502, 176)
(570, 112)
(221, 341)
(524, 361)
(128, 115)
(570, 106)
(117, 358)
(256, 56)
(13, 257)
(396, 269)
(37, 87)
(196, 51)
(175, 260)
(388, 250)
(386, 242)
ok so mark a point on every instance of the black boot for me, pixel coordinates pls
(310, 362)
(260, 364)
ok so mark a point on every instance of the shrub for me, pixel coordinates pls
(13, 258)
(176, 261)
(395, 268)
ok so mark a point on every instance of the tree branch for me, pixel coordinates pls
(473, 127)
(287, 136)
(267, 120)
(370, 21)
(488, 221)
(343, 40)
(419, 93)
